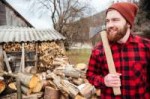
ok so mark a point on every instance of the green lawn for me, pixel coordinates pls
(78, 56)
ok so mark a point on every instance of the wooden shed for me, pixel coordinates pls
(9, 16)
(23, 46)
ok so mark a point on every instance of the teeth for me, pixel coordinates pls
(111, 30)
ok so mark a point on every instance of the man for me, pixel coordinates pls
(131, 55)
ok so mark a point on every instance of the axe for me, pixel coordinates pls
(109, 58)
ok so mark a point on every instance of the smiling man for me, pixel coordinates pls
(131, 56)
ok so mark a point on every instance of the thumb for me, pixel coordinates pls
(119, 74)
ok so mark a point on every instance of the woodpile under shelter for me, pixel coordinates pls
(22, 43)
(50, 75)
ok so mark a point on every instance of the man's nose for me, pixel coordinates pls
(109, 24)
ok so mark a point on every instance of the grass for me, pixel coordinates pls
(78, 55)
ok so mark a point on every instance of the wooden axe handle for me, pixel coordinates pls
(109, 58)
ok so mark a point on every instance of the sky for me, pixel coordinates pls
(98, 5)
(44, 22)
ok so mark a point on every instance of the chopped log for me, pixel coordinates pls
(30, 69)
(12, 85)
(38, 87)
(2, 86)
(49, 83)
(10, 88)
(71, 88)
(79, 97)
(64, 85)
(87, 90)
(68, 71)
(26, 90)
(64, 95)
(60, 61)
(59, 71)
(41, 76)
(81, 66)
(51, 93)
(78, 81)
(72, 72)
(28, 80)
(32, 96)
(63, 59)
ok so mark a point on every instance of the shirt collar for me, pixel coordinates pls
(131, 39)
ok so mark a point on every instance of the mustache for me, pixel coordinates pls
(112, 28)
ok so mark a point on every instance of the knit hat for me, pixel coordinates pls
(126, 9)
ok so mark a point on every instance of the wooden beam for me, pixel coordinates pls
(36, 56)
(109, 58)
(22, 65)
(1, 59)
(19, 94)
(7, 62)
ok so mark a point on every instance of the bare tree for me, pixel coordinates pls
(63, 14)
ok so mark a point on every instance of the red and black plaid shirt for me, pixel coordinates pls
(132, 60)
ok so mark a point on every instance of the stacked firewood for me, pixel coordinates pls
(62, 82)
(29, 46)
(58, 78)
(71, 81)
(48, 52)
(10, 47)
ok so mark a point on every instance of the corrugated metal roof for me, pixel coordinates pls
(27, 34)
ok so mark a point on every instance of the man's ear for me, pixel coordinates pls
(128, 25)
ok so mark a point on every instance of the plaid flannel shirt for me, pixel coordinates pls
(132, 60)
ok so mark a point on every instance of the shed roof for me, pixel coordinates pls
(27, 34)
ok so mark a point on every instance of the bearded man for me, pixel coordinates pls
(131, 55)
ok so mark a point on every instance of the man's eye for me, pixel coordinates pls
(115, 20)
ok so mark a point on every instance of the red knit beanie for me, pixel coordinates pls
(126, 9)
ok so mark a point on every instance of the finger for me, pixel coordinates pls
(115, 75)
(113, 79)
(115, 84)
(119, 74)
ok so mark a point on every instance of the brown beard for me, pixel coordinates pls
(120, 33)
